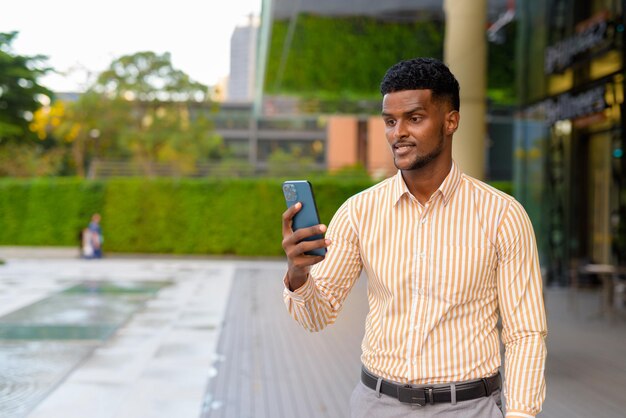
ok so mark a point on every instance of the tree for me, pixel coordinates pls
(168, 134)
(88, 128)
(20, 92)
(162, 98)
(147, 76)
(142, 110)
(282, 163)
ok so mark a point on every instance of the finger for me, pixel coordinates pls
(303, 247)
(288, 216)
(307, 261)
(304, 233)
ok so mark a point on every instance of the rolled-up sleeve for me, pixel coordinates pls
(524, 327)
(316, 303)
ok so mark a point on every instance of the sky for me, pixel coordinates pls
(81, 38)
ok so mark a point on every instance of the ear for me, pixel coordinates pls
(451, 122)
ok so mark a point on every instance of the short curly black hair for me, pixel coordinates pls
(422, 73)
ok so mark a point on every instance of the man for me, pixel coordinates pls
(445, 254)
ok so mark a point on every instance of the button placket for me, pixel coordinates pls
(420, 304)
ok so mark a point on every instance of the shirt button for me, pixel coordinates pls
(424, 220)
(422, 255)
(420, 292)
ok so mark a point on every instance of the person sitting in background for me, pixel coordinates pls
(86, 247)
(95, 237)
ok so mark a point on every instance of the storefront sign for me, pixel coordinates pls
(561, 55)
(571, 106)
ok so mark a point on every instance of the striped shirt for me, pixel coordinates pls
(439, 276)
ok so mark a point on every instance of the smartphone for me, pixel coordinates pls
(302, 191)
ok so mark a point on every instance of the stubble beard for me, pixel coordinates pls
(422, 161)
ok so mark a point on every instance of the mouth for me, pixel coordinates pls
(402, 148)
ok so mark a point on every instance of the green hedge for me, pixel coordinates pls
(46, 211)
(189, 216)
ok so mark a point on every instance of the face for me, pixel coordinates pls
(418, 129)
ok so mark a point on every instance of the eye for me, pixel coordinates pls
(416, 118)
(390, 122)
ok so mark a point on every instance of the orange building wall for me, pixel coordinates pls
(379, 157)
(341, 142)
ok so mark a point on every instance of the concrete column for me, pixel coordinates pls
(465, 52)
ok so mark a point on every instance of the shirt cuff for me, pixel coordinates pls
(301, 294)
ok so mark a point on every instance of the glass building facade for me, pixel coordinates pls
(570, 171)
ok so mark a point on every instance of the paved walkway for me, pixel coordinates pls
(157, 363)
(217, 342)
(270, 366)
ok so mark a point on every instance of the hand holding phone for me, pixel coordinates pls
(302, 191)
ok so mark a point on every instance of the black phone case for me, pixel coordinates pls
(302, 191)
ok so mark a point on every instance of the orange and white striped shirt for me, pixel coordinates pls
(439, 275)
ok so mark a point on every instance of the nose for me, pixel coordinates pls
(400, 130)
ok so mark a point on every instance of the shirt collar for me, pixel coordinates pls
(447, 187)
(399, 188)
(450, 183)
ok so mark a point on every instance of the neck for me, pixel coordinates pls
(424, 181)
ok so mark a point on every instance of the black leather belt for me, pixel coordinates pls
(423, 394)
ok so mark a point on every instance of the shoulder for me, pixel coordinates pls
(482, 189)
(363, 202)
(496, 204)
(374, 193)
(372, 196)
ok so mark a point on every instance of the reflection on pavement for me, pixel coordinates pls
(40, 344)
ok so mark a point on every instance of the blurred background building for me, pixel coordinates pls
(243, 51)
(569, 138)
(316, 101)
